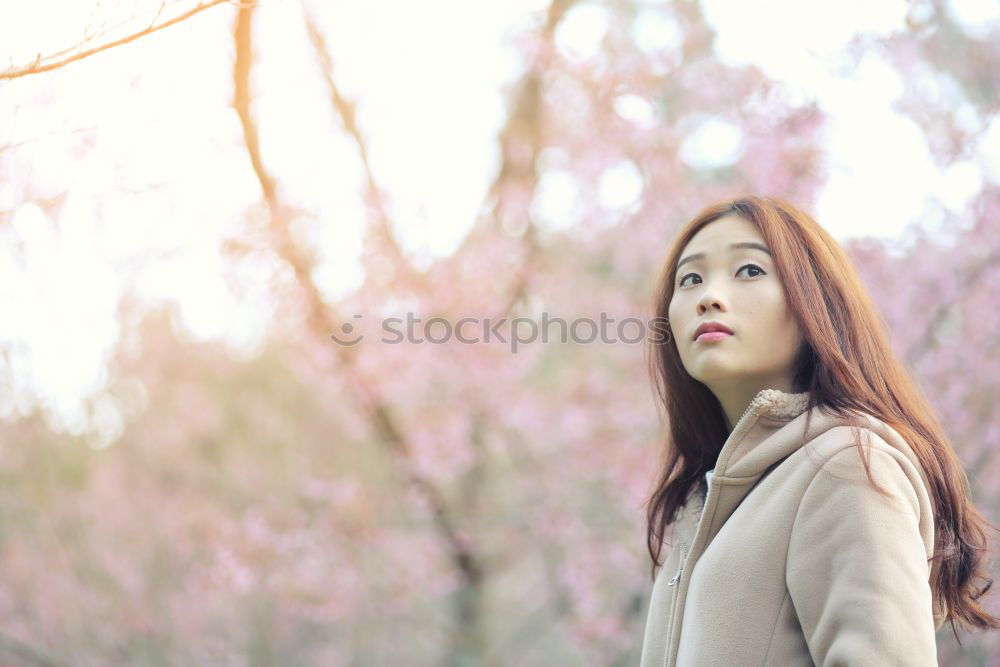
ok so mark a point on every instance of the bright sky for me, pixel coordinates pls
(430, 105)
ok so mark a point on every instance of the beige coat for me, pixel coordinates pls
(809, 567)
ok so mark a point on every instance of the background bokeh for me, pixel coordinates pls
(193, 472)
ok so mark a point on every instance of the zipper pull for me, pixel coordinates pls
(674, 578)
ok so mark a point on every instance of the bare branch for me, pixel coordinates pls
(37, 66)
(322, 317)
(346, 110)
(524, 125)
(47, 135)
(102, 33)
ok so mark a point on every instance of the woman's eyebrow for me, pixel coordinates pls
(751, 245)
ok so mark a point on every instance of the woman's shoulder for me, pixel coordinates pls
(871, 433)
(883, 456)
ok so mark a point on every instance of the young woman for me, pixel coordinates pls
(818, 513)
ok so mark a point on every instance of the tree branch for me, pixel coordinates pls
(346, 110)
(37, 66)
(519, 167)
(319, 317)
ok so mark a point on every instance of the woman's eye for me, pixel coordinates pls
(753, 267)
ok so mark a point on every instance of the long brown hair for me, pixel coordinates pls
(847, 366)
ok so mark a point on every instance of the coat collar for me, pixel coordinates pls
(775, 404)
(751, 447)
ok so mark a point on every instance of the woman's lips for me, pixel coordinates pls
(709, 336)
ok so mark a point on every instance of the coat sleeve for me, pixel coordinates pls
(857, 569)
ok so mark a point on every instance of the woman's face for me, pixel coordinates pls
(739, 288)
